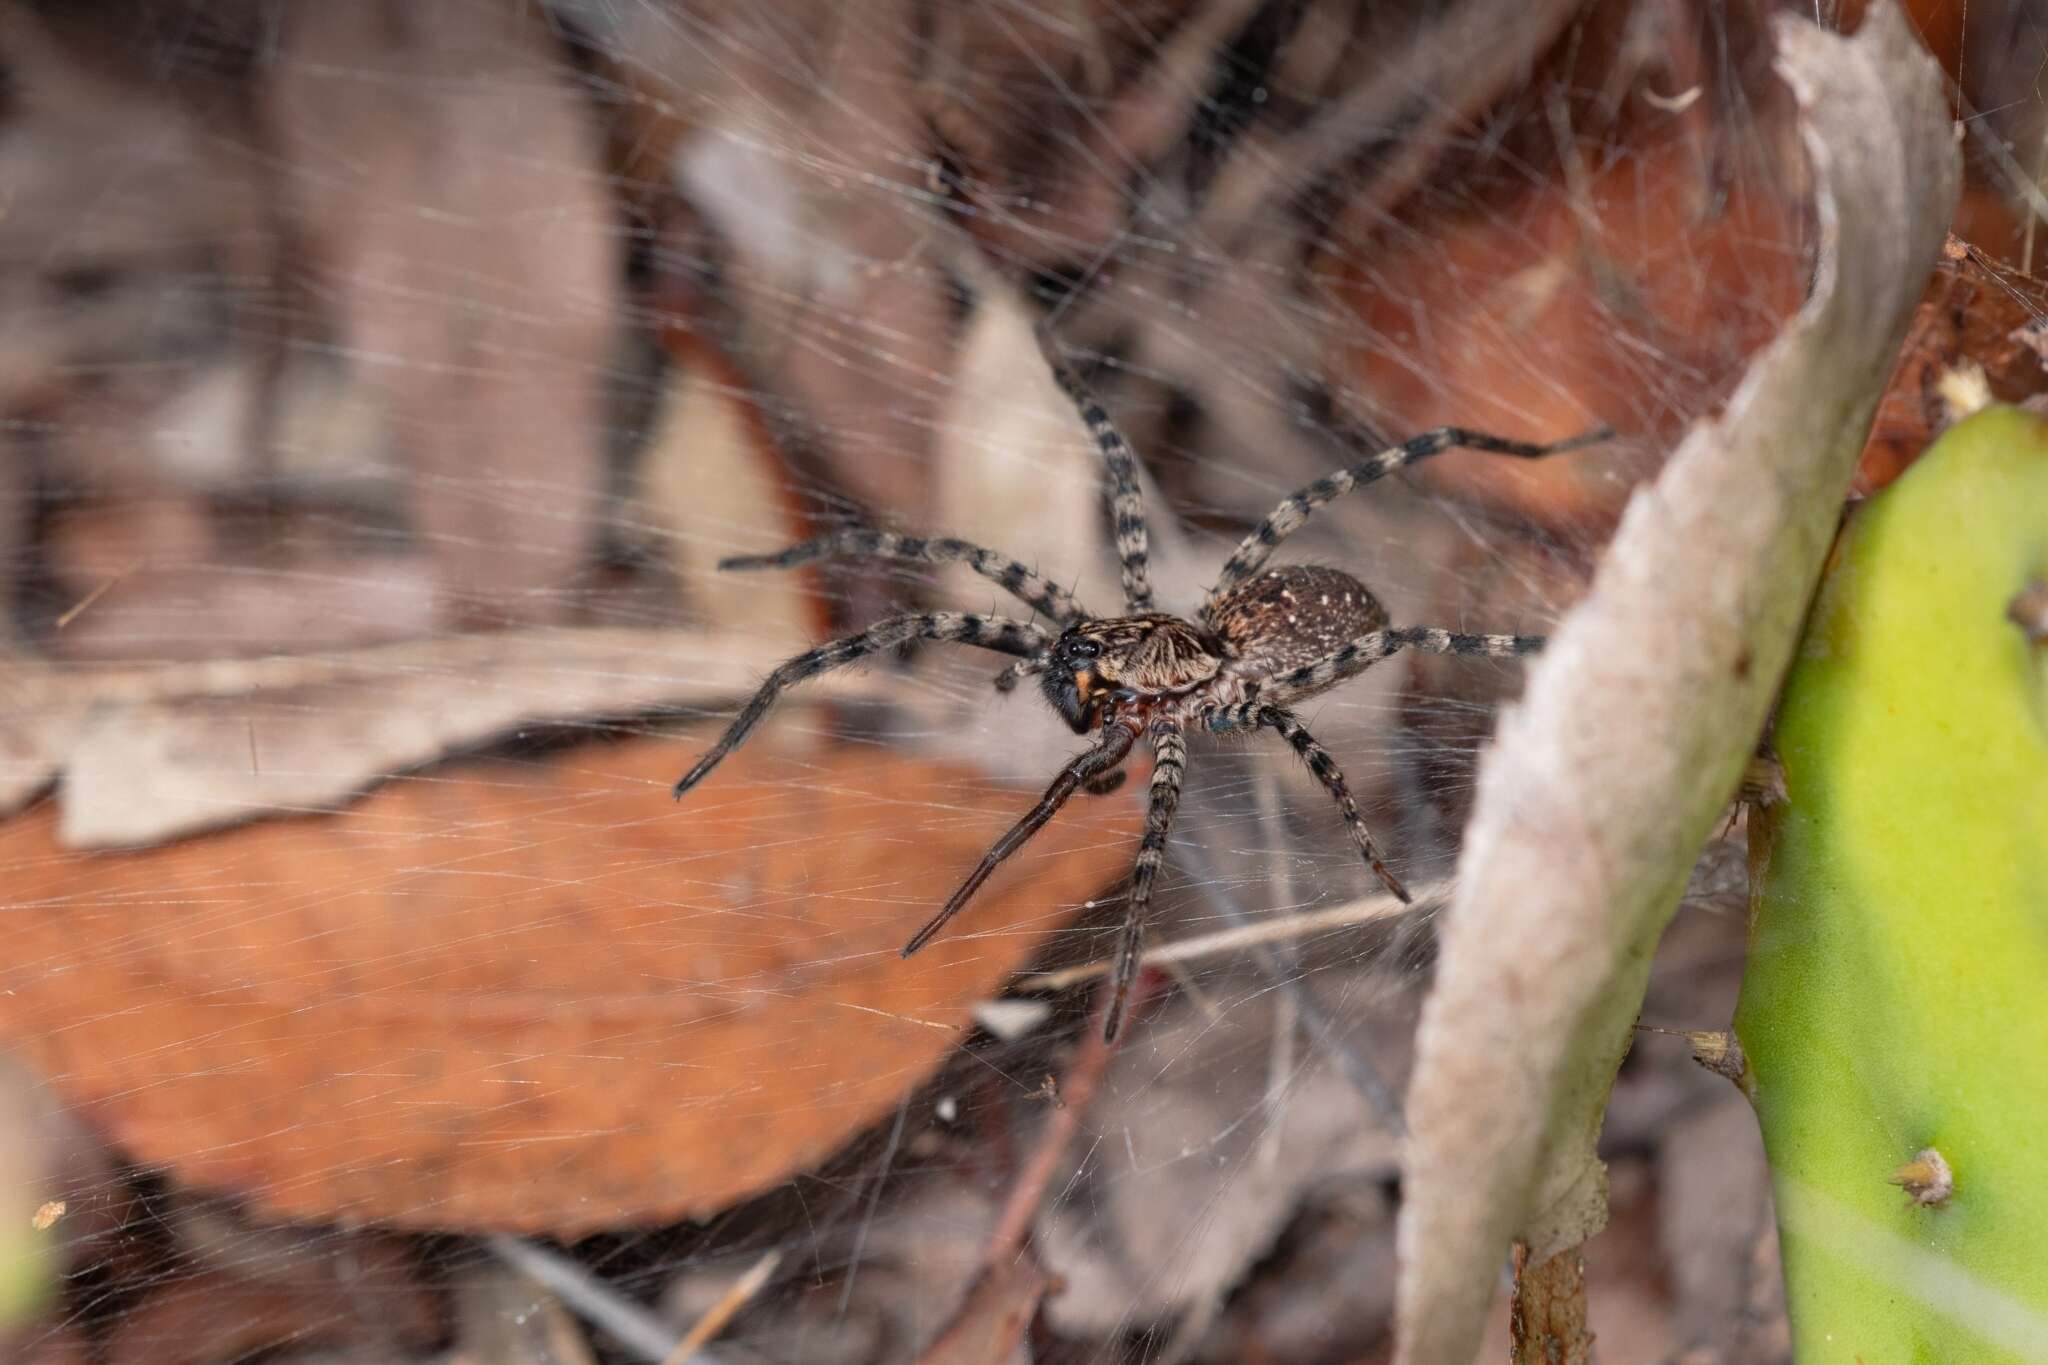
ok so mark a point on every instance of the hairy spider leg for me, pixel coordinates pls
(1169, 766)
(1252, 553)
(988, 632)
(1361, 654)
(1324, 766)
(1126, 504)
(861, 542)
(1115, 746)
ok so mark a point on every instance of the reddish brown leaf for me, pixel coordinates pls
(1975, 311)
(1535, 319)
(528, 995)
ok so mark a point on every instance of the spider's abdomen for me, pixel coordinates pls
(1291, 616)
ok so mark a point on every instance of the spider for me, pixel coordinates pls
(1263, 641)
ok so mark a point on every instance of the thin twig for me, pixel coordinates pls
(79, 607)
(1245, 934)
(1083, 1077)
(719, 1314)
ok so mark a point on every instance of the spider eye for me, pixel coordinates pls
(1085, 649)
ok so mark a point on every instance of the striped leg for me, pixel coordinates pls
(1362, 653)
(989, 632)
(1252, 553)
(1033, 590)
(1126, 502)
(1325, 768)
(1086, 768)
(1169, 765)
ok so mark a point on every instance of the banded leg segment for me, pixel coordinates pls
(1327, 772)
(1361, 654)
(1252, 553)
(1087, 768)
(988, 632)
(1169, 767)
(1126, 500)
(1033, 590)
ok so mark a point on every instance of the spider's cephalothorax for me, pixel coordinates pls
(1263, 640)
(1132, 665)
(1157, 666)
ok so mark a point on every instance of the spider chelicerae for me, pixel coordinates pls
(1263, 641)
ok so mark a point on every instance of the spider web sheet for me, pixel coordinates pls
(383, 384)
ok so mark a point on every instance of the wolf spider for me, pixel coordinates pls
(1264, 640)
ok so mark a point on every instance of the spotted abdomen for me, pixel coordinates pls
(1291, 616)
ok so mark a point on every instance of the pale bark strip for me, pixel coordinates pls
(1606, 780)
(149, 752)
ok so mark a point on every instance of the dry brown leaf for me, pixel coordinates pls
(1607, 778)
(529, 996)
